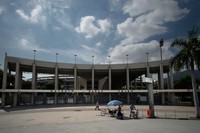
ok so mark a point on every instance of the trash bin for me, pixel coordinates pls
(148, 112)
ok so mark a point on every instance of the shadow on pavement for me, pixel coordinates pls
(21, 108)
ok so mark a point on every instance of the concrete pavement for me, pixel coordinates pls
(86, 119)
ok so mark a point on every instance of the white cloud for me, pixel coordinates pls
(136, 32)
(58, 10)
(35, 15)
(137, 52)
(87, 26)
(87, 48)
(28, 45)
(167, 9)
(51, 10)
(147, 18)
(22, 14)
(86, 53)
(116, 5)
(24, 42)
(104, 25)
(91, 27)
(98, 44)
(1, 10)
(90, 49)
(56, 28)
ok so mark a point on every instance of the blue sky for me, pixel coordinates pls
(98, 28)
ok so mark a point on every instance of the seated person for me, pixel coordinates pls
(112, 112)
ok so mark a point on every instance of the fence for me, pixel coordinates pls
(168, 114)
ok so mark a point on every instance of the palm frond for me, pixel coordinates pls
(179, 43)
(197, 58)
(181, 60)
(177, 62)
(193, 33)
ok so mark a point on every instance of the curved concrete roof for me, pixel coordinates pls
(85, 69)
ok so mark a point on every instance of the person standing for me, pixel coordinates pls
(132, 107)
(119, 113)
(97, 106)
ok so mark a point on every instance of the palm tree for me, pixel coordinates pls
(189, 56)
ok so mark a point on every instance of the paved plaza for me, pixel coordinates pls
(76, 119)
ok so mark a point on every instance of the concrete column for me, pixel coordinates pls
(158, 80)
(168, 86)
(34, 82)
(110, 97)
(75, 77)
(3, 97)
(131, 87)
(171, 84)
(92, 78)
(171, 77)
(93, 97)
(110, 82)
(141, 85)
(34, 76)
(17, 80)
(109, 79)
(127, 84)
(74, 98)
(168, 81)
(92, 84)
(135, 85)
(128, 98)
(56, 85)
(20, 84)
(162, 83)
(4, 84)
(150, 94)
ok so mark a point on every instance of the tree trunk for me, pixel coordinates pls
(195, 94)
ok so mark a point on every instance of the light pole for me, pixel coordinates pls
(147, 58)
(56, 57)
(93, 59)
(161, 44)
(75, 58)
(127, 58)
(161, 71)
(109, 59)
(34, 51)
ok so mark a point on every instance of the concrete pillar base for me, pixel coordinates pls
(55, 98)
(3, 97)
(74, 98)
(163, 98)
(128, 98)
(32, 99)
(15, 100)
(92, 98)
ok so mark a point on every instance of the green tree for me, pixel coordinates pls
(189, 56)
(26, 84)
(183, 83)
(49, 85)
(10, 80)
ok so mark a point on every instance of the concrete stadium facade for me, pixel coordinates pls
(92, 82)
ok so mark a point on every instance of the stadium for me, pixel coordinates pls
(86, 83)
